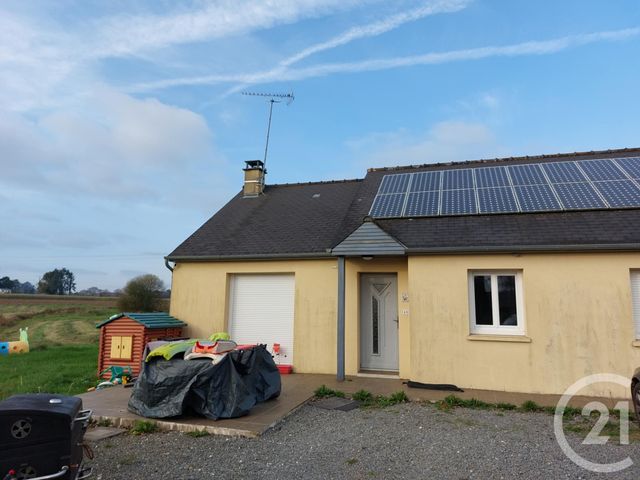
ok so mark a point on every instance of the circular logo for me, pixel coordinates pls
(593, 438)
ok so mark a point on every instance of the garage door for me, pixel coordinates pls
(261, 311)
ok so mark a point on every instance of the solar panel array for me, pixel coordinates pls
(534, 187)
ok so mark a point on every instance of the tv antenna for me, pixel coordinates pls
(273, 98)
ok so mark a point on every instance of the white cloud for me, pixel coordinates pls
(126, 35)
(101, 183)
(443, 142)
(33, 60)
(111, 144)
(490, 101)
(44, 63)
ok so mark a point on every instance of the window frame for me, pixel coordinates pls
(496, 328)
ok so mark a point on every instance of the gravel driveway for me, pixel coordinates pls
(404, 441)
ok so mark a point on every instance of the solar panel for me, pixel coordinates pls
(536, 198)
(425, 181)
(527, 175)
(394, 183)
(458, 202)
(630, 165)
(620, 193)
(388, 205)
(563, 172)
(497, 200)
(532, 187)
(422, 204)
(576, 196)
(598, 170)
(491, 177)
(457, 179)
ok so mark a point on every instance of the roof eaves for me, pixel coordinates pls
(110, 319)
(147, 319)
(259, 256)
(602, 247)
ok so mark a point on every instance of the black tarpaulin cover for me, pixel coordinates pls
(229, 389)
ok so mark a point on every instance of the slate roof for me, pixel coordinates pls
(308, 220)
(298, 219)
(149, 320)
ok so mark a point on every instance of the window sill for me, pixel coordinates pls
(635, 343)
(501, 338)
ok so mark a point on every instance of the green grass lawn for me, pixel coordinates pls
(63, 341)
(69, 370)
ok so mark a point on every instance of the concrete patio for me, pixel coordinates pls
(111, 404)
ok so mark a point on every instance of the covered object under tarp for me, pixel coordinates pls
(228, 389)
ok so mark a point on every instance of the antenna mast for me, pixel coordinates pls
(273, 98)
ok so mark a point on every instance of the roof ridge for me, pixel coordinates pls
(321, 182)
(508, 159)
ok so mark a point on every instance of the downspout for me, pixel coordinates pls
(341, 303)
(166, 264)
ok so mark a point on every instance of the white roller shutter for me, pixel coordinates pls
(261, 311)
(635, 300)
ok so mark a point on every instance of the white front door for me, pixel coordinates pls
(261, 310)
(379, 322)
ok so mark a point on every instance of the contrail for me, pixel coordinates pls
(362, 31)
(542, 47)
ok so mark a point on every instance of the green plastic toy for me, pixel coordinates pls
(118, 374)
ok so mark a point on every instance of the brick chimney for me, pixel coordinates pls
(254, 173)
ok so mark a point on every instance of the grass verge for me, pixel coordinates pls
(366, 399)
(142, 427)
(323, 392)
(573, 420)
(451, 401)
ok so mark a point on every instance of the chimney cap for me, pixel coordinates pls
(254, 165)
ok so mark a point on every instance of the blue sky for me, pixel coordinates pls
(122, 126)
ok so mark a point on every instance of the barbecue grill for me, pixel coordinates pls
(41, 437)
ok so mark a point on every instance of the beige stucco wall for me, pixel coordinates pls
(577, 313)
(199, 297)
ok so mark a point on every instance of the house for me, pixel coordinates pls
(514, 274)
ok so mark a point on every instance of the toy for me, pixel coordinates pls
(19, 346)
(284, 369)
(119, 375)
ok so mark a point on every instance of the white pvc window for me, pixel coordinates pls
(495, 303)
(635, 301)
